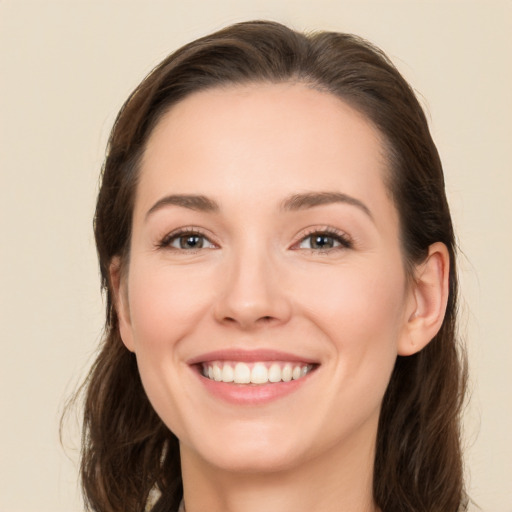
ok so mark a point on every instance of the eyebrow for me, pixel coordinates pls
(192, 202)
(312, 199)
(293, 203)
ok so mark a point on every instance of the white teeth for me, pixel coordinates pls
(287, 373)
(217, 373)
(255, 373)
(228, 373)
(242, 374)
(259, 374)
(274, 373)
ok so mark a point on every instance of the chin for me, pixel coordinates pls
(266, 460)
(245, 450)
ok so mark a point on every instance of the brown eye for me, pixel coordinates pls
(189, 242)
(186, 241)
(323, 242)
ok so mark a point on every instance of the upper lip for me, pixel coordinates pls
(249, 356)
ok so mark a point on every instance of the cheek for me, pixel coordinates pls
(166, 302)
(362, 298)
(360, 311)
(166, 305)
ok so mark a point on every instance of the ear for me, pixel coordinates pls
(428, 299)
(120, 297)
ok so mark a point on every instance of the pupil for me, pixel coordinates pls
(322, 242)
(191, 242)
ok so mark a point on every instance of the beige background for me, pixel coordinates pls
(67, 66)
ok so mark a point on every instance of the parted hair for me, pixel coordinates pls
(127, 451)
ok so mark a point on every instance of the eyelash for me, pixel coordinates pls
(344, 241)
(168, 239)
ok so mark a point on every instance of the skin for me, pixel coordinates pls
(258, 284)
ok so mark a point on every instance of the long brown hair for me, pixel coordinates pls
(127, 450)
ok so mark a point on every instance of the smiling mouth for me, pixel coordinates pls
(256, 373)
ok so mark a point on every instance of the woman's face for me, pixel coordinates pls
(265, 249)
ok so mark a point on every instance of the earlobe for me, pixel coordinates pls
(429, 297)
(120, 298)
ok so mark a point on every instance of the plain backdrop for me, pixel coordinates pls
(65, 69)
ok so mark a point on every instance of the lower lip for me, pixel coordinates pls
(252, 394)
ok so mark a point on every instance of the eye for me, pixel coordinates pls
(324, 241)
(186, 241)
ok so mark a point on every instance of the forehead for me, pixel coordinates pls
(262, 139)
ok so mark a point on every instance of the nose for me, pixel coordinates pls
(252, 293)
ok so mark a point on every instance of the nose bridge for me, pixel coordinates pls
(252, 292)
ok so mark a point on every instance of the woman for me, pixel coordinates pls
(279, 262)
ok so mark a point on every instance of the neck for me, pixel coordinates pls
(339, 481)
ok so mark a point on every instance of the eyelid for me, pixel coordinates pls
(165, 241)
(344, 238)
